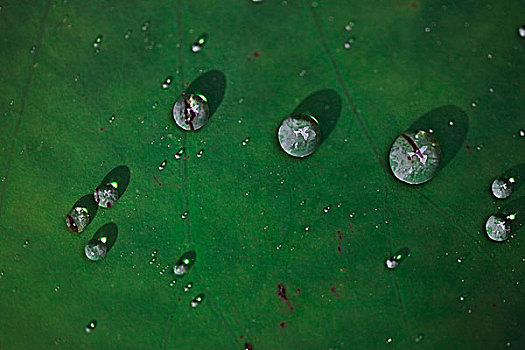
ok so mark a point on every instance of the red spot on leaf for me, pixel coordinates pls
(468, 149)
(298, 290)
(282, 324)
(248, 346)
(156, 179)
(332, 289)
(351, 229)
(256, 54)
(101, 129)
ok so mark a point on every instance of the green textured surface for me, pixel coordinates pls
(52, 152)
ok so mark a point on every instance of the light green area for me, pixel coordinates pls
(52, 152)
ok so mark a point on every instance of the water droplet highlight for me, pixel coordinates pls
(191, 112)
(415, 157)
(145, 26)
(299, 135)
(245, 141)
(188, 286)
(184, 215)
(185, 263)
(26, 243)
(97, 42)
(327, 209)
(127, 34)
(200, 153)
(95, 250)
(197, 300)
(521, 31)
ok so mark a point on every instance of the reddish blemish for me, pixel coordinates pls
(493, 305)
(156, 179)
(468, 149)
(281, 292)
(351, 229)
(248, 346)
(298, 290)
(178, 299)
(282, 324)
(341, 269)
(187, 83)
(332, 289)
(241, 336)
(186, 157)
(256, 54)
(339, 233)
(248, 59)
(101, 129)
(414, 5)
(339, 249)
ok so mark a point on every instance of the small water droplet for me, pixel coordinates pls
(172, 283)
(112, 119)
(179, 153)
(460, 260)
(389, 340)
(461, 298)
(502, 187)
(340, 204)
(153, 253)
(26, 243)
(97, 42)
(351, 215)
(451, 122)
(2, 273)
(200, 153)
(245, 141)
(497, 228)
(185, 263)
(473, 104)
(145, 26)
(91, 326)
(163, 164)
(57, 288)
(491, 90)
(188, 286)
(184, 215)
(419, 338)
(521, 31)
(152, 260)
(32, 50)
(199, 43)
(490, 56)
(522, 132)
(327, 209)
(279, 247)
(307, 228)
(167, 82)
(247, 193)
(197, 300)
(127, 34)
(427, 29)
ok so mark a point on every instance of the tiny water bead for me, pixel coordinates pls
(185, 263)
(197, 45)
(179, 153)
(127, 34)
(522, 133)
(77, 219)
(197, 300)
(95, 250)
(106, 195)
(188, 287)
(200, 153)
(163, 164)
(521, 31)
(327, 209)
(97, 42)
(172, 283)
(145, 26)
(91, 326)
(299, 135)
(191, 112)
(419, 338)
(245, 141)
(26, 243)
(502, 188)
(166, 84)
(184, 215)
(497, 227)
(32, 50)
(415, 157)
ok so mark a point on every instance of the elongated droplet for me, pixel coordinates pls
(188, 287)
(299, 135)
(91, 326)
(497, 228)
(397, 258)
(245, 141)
(415, 157)
(163, 164)
(97, 42)
(502, 188)
(185, 263)
(197, 300)
(106, 195)
(191, 112)
(184, 215)
(197, 45)
(166, 84)
(200, 153)
(77, 219)
(179, 153)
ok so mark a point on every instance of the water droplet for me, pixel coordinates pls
(179, 153)
(153, 253)
(26, 243)
(248, 346)
(461, 298)
(473, 104)
(327, 209)
(91, 326)
(427, 29)
(200, 153)
(307, 228)
(521, 31)
(77, 219)
(451, 122)
(32, 50)
(257, 1)
(389, 340)
(491, 90)
(166, 84)
(197, 300)
(97, 42)
(522, 132)
(2, 273)
(106, 195)
(184, 215)
(57, 288)
(127, 34)
(415, 157)
(419, 338)
(245, 141)
(490, 56)
(191, 112)
(163, 164)
(185, 263)
(188, 286)
(502, 188)
(172, 283)
(299, 135)
(397, 258)
(95, 250)
(145, 26)
(497, 228)
(197, 45)
(152, 260)
(459, 260)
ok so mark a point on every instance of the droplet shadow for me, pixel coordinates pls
(212, 85)
(516, 207)
(107, 233)
(449, 137)
(121, 176)
(325, 106)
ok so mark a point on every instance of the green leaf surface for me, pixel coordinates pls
(256, 216)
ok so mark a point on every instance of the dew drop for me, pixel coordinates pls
(97, 42)
(172, 283)
(199, 43)
(2, 273)
(197, 300)
(112, 119)
(153, 253)
(91, 326)
(327, 209)
(307, 228)
(152, 261)
(185, 263)
(179, 153)
(191, 112)
(167, 82)
(389, 340)
(145, 26)
(299, 135)
(461, 298)
(200, 153)
(491, 90)
(521, 31)
(188, 286)
(497, 228)
(106, 195)
(163, 164)
(473, 104)
(460, 260)
(502, 188)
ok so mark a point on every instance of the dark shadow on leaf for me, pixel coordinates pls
(325, 106)
(120, 175)
(212, 85)
(450, 138)
(108, 233)
(518, 173)
(516, 207)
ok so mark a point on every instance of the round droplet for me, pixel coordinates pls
(179, 153)
(245, 141)
(106, 195)
(91, 326)
(327, 209)
(299, 135)
(191, 111)
(522, 133)
(197, 300)
(502, 188)
(497, 228)
(33, 49)
(95, 250)
(127, 34)
(415, 157)
(77, 219)
(184, 215)
(184, 264)
(521, 31)
(163, 164)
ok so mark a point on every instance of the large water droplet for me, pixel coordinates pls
(197, 300)
(191, 112)
(197, 45)
(106, 195)
(497, 228)
(77, 219)
(415, 157)
(397, 258)
(184, 264)
(91, 326)
(502, 188)
(299, 135)
(166, 84)
(95, 250)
